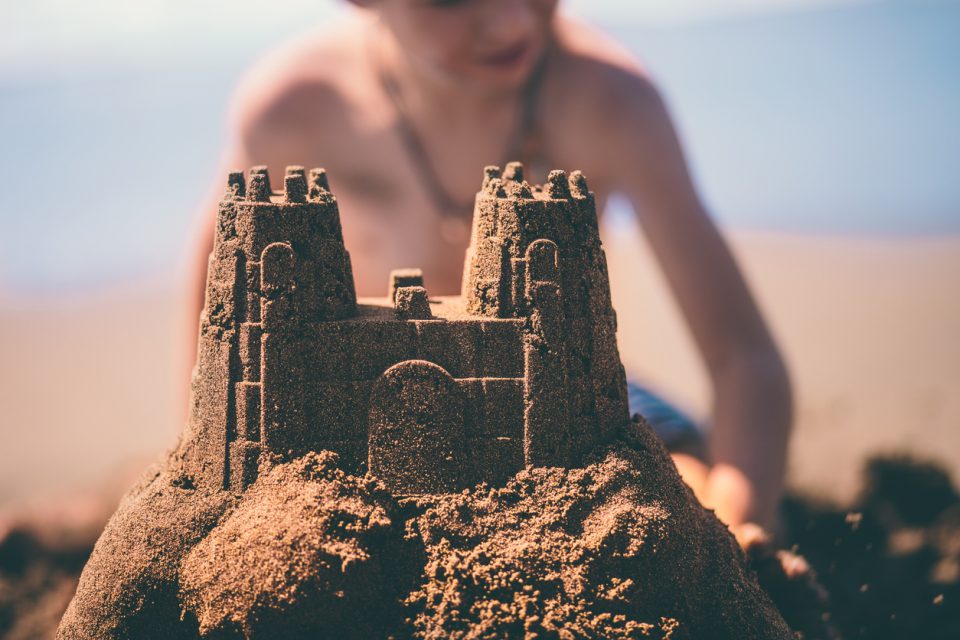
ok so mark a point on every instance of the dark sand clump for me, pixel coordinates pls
(890, 561)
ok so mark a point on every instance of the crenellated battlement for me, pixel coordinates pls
(429, 394)
(297, 187)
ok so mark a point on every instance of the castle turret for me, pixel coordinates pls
(278, 261)
(510, 219)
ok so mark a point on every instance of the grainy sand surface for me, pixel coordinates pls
(90, 385)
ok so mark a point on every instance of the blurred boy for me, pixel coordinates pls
(410, 99)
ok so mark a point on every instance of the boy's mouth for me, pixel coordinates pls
(507, 57)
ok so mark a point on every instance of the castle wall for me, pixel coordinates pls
(211, 421)
(316, 383)
(363, 349)
(206, 452)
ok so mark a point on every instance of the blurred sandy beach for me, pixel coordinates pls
(869, 326)
(90, 388)
(869, 329)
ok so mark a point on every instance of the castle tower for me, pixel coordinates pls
(535, 252)
(278, 261)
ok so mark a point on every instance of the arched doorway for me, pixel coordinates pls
(416, 433)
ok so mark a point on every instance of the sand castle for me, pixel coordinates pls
(429, 395)
(509, 494)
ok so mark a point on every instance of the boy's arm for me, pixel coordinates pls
(752, 404)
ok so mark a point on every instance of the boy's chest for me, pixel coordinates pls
(388, 220)
(390, 212)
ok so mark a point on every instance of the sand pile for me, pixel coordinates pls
(129, 587)
(616, 549)
(308, 550)
(902, 539)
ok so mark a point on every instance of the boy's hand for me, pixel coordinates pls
(730, 494)
(722, 488)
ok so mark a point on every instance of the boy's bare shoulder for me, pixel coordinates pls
(605, 81)
(306, 81)
(606, 97)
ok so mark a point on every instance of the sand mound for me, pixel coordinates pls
(616, 549)
(303, 553)
(129, 587)
(911, 590)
